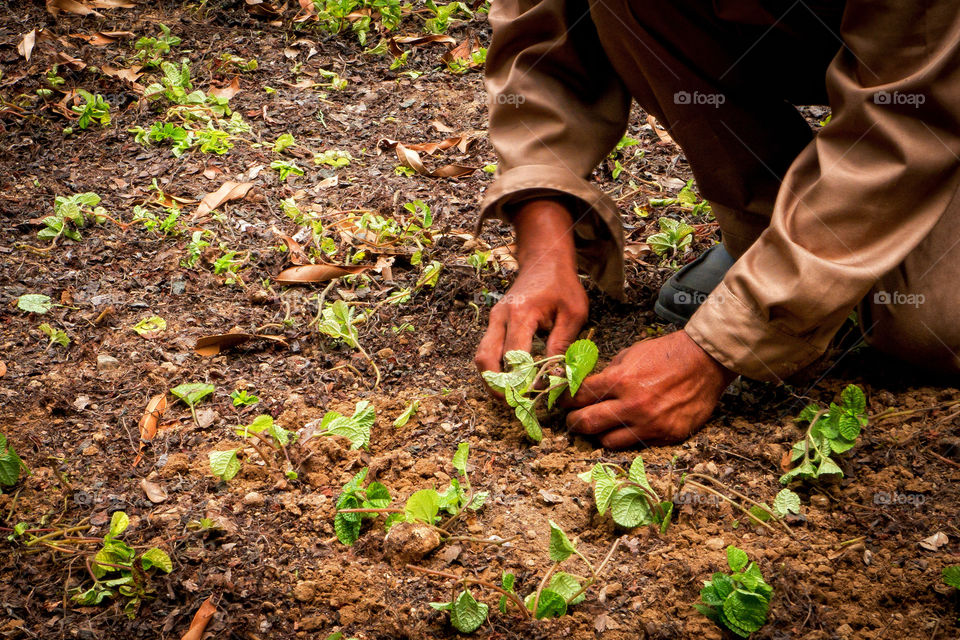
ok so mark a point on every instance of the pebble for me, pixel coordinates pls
(253, 499)
(715, 544)
(305, 591)
(107, 363)
(820, 501)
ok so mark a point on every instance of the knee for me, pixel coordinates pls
(913, 328)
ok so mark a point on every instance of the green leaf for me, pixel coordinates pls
(10, 466)
(408, 413)
(709, 595)
(557, 386)
(603, 492)
(34, 303)
(567, 586)
(951, 576)
(667, 508)
(347, 531)
(192, 393)
(356, 428)
(746, 609)
(638, 473)
(507, 581)
(828, 467)
(156, 558)
(466, 614)
(809, 413)
(849, 427)
(519, 373)
(424, 505)
(560, 545)
(853, 400)
(786, 502)
(459, 460)
(581, 358)
(551, 605)
(224, 464)
(118, 524)
(153, 324)
(630, 508)
(840, 445)
(736, 558)
(526, 414)
(722, 584)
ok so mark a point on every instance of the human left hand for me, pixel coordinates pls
(656, 391)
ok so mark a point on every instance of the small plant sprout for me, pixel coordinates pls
(56, 336)
(195, 248)
(951, 577)
(286, 169)
(519, 383)
(151, 50)
(347, 521)
(355, 428)
(333, 158)
(10, 464)
(264, 431)
(628, 495)
(95, 109)
(556, 592)
(192, 393)
(830, 431)
(283, 142)
(479, 260)
(424, 507)
(34, 303)
(243, 398)
(150, 327)
(71, 213)
(409, 412)
(224, 464)
(739, 601)
(673, 239)
(337, 320)
(115, 570)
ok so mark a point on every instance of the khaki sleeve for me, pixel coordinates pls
(857, 200)
(556, 109)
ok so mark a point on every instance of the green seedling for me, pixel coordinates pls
(116, 571)
(243, 398)
(166, 225)
(459, 66)
(556, 593)
(195, 248)
(34, 303)
(224, 464)
(229, 265)
(429, 275)
(425, 506)
(286, 169)
(400, 61)
(71, 213)
(228, 60)
(443, 14)
(151, 50)
(479, 260)
(265, 431)
(56, 336)
(687, 199)
(150, 327)
(95, 109)
(192, 393)
(337, 321)
(739, 601)
(355, 428)
(283, 142)
(831, 431)
(519, 383)
(951, 577)
(334, 158)
(10, 464)
(405, 171)
(54, 79)
(673, 239)
(175, 85)
(409, 412)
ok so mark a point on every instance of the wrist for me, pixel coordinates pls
(544, 230)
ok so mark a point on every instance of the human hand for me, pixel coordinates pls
(656, 391)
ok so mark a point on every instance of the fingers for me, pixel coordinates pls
(626, 437)
(490, 349)
(564, 332)
(519, 335)
(598, 418)
(596, 388)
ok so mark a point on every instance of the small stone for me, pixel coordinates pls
(92, 450)
(820, 501)
(531, 534)
(715, 544)
(425, 349)
(253, 499)
(305, 591)
(312, 623)
(410, 542)
(385, 353)
(107, 363)
(168, 367)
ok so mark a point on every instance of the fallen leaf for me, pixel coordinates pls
(549, 497)
(148, 423)
(3, 368)
(461, 142)
(464, 52)
(230, 190)
(81, 402)
(636, 250)
(130, 75)
(504, 256)
(25, 48)
(212, 345)
(54, 7)
(263, 9)
(154, 492)
(663, 136)
(200, 620)
(228, 91)
(74, 63)
(935, 541)
(410, 158)
(316, 273)
(113, 4)
(441, 127)
(297, 255)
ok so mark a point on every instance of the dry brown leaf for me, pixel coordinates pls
(103, 38)
(663, 136)
(297, 255)
(504, 256)
(636, 250)
(200, 620)
(25, 48)
(230, 190)
(113, 4)
(74, 63)
(464, 51)
(54, 7)
(149, 421)
(316, 273)
(130, 75)
(3, 368)
(154, 492)
(212, 345)
(441, 127)
(228, 91)
(263, 9)
(410, 158)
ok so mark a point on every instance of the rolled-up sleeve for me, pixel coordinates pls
(859, 198)
(556, 109)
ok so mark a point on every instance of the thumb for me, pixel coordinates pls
(564, 332)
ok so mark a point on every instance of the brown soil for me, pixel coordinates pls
(275, 568)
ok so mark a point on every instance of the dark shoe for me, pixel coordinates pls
(685, 291)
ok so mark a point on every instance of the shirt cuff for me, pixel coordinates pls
(743, 341)
(598, 233)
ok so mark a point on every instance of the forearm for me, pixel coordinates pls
(544, 230)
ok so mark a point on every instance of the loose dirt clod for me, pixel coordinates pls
(409, 542)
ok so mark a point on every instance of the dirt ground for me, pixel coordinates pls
(854, 568)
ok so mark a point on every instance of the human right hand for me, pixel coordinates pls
(547, 294)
